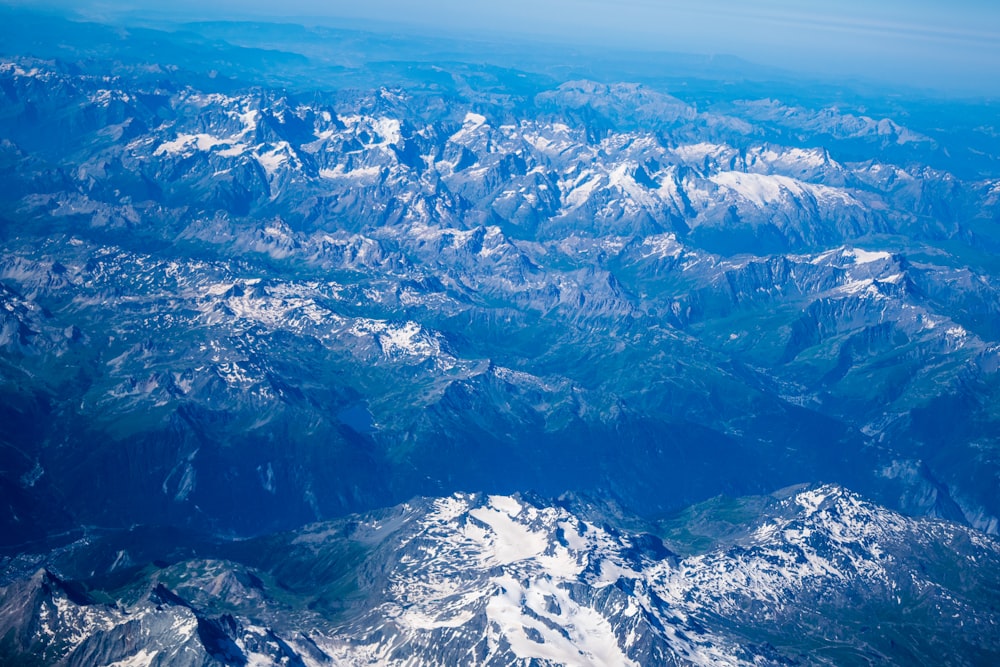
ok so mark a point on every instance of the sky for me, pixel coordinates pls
(953, 46)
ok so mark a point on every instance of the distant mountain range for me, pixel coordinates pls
(245, 291)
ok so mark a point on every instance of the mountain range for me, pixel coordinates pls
(804, 576)
(258, 276)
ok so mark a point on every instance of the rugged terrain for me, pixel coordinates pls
(807, 576)
(256, 276)
(303, 304)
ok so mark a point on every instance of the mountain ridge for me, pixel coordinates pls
(508, 580)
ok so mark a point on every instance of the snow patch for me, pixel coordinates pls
(187, 144)
(472, 122)
(565, 633)
(362, 175)
(763, 190)
(509, 540)
(866, 256)
(143, 658)
(662, 246)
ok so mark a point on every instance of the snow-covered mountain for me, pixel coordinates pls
(814, 575)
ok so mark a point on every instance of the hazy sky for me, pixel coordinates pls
(954, 44)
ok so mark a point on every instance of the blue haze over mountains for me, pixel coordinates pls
(953, 47)
(707, 350)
